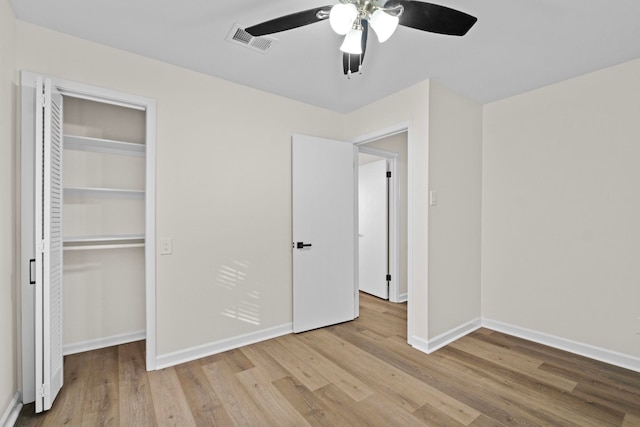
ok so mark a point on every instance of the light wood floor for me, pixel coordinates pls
(356, 373)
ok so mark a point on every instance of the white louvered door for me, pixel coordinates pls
(48, 222)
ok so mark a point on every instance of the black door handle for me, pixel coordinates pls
(301, 245)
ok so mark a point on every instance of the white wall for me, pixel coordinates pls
(560, 228)
(223, 185)
(455, 173)
(8, 202)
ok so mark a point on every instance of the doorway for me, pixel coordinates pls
(391, 153)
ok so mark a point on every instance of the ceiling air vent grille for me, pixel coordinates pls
(239, 36)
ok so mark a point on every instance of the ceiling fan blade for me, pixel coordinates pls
(289, 22)
(434, 18)
(351, 62)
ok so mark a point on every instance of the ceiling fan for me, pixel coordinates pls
(352, 18)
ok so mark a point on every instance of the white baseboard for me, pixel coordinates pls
(402, 298)
(446, 338)
(452, 335)
(597, 353)
(103, 342)
(10, 415)
(419, 344)
(193, 353)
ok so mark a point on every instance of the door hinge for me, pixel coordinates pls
(388, 174)
(43, 244)
(388, 277)
(43, 98)
(43, 390)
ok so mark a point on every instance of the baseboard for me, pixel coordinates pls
(193, 353)
(429, 346)
(592, 352)
(402, 298)
(103, 342)
(10, 415)
(452, 335)
(419, 344)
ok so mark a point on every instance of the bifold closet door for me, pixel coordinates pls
(48, 244)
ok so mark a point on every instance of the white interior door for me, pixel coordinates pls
(48, 243)
(373, 229)
(323, 186)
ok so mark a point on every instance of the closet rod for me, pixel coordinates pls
(94, 247)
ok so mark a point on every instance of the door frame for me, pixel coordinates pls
(92, 93)
(380, 134)
(393, 219)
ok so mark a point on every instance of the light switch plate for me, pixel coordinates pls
(166, 246)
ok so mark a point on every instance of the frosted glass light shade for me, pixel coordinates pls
(342, 17)
(383, 24)
(353, 42)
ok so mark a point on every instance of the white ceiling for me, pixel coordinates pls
(514, 47)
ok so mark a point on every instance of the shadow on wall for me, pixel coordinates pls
(234, 279)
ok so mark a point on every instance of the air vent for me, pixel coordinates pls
(239, 36)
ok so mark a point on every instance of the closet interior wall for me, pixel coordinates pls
(103, 224)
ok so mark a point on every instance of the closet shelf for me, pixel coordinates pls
(108, 146)
(96, 242)
(103, 192)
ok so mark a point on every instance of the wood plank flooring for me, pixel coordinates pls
(356, 373)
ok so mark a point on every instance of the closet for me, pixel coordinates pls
(103, 224)
(87, 226)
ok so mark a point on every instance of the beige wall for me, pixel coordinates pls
(223, 185)
(8, 202)
(445, 155)
(412, 105)
(561, 204)
(455, 173)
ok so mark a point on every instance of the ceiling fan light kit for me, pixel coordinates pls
(342, 17)
(383, 24)
(346, 17)
(351, 18)
(353, 41)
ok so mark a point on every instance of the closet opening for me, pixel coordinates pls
(103, 224)
(87, 226)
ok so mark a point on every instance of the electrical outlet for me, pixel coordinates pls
(166, 246)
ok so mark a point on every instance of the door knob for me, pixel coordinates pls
(301, 245)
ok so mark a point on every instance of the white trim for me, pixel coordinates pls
(419, 344)
(407, 127)
(10, 415)
(453, 335)
(383, 133)
(402, 298)
(198, 352)
(607, 356)
(90, 92)
(97, 343)
(150, 236)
